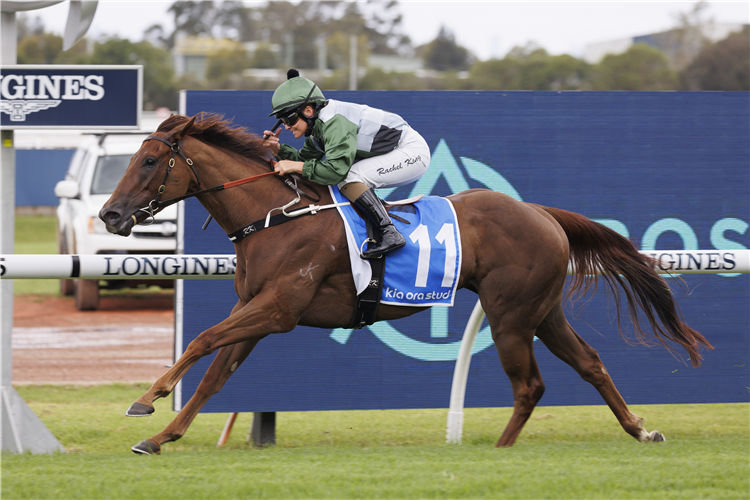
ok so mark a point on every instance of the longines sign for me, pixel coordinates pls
(98, 97)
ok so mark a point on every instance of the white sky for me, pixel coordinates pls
(487, 28)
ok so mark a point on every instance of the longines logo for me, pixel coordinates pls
(19, 109)
(25, 94)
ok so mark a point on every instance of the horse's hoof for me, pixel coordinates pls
(657, 436)
(652, 437)
(146, 448)
(139, 410)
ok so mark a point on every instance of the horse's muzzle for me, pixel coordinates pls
(115, 222)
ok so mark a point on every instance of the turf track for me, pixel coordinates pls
(564, 452)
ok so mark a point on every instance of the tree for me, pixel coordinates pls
(26, 26)
(279, 22)
(444, 54)
(687, 39)
(339, 47)
(724, 65)
(641, 67)
(530, 68)
(496, 74)
(377, 79)
(225, 63)
(540, 71)
(380, 22)
(561, 72)
(39, 48)
(264, 56)
(158, 71)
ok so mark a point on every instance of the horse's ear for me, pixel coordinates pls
(180, 133)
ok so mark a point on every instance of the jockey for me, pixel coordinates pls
(353, 146)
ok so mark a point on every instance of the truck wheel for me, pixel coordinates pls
(67, 287)
(87, 295)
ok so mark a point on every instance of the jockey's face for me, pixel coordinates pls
(299, 128)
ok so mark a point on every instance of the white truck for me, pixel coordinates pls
(95, 170)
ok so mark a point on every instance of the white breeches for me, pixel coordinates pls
(404, 165)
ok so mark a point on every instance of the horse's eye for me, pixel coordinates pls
(150, 161)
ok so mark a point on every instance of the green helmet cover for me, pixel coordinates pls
(293, 92)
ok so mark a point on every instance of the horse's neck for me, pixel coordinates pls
(232, 208)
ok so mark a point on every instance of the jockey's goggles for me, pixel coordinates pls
(292, 118)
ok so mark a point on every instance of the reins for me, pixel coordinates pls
(156, 203)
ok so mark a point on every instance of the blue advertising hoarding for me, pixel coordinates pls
(670, 170)
(43, 96)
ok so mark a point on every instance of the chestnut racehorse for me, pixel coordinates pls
(515, 258)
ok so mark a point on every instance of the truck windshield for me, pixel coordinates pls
(109, 171)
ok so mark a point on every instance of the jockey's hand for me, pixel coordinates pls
(289, 167)
(272, 141)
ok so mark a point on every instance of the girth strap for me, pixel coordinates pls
(259, 225)
(368, 302)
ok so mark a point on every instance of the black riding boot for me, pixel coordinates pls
(390, 238)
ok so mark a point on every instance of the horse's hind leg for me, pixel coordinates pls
(517, 357)
(563, 341)
(227, 360)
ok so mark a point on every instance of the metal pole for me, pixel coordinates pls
(322, 56)
(21, 428)
(263, 429)
(461, 376)
(8, 196)
(289, 50)
(353, 62)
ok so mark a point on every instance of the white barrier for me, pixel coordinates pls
(127, 266)
(117, 266)
(678, 261)
(223, 267)
(702, 261)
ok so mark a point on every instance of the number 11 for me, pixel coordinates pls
(446, 237)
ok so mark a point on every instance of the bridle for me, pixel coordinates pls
(156, 204)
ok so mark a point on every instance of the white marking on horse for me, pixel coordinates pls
(310, 267)
(234, 366)
(647, 437)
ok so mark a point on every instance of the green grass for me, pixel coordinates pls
(564, 452)
(36, 235)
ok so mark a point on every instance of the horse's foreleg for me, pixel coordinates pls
(227, 360)
(563, 341)
(252, 321)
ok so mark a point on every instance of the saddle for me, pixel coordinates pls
(367, 303)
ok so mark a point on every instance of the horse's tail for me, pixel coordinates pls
(595, 248)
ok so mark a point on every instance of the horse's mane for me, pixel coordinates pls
(213, 129)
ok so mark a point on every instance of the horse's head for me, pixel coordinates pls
(148, 178)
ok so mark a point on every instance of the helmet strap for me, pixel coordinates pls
(310, 120)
